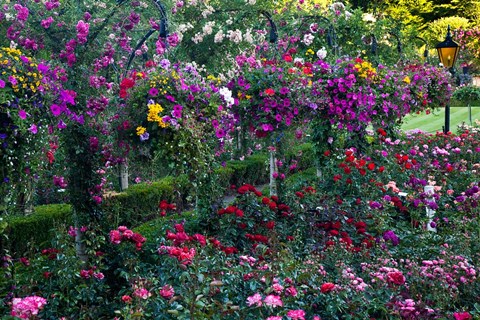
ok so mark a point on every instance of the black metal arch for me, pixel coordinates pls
(163, 31)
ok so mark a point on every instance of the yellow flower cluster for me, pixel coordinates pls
(406, 80)
(141, 130)
(213, 78)
(27, 78)
(243, 96)
(365, 70)
(309, 52)
(160, 82)
(153, 115)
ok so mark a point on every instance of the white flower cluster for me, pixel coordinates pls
(322, 53)
(208, 11)
(219, 36)
(227, 96)
(308, 39)
(208, 27)
(235, 36)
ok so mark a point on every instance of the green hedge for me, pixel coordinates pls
(139, 203)
(303, 153)
(252, 170)
(26, 233)
(136, 205)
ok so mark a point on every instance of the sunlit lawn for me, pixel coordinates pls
(434, 122)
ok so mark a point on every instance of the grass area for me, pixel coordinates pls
(434, 122)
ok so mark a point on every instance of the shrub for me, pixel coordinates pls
(24, 233)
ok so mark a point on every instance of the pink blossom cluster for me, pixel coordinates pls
(183, 254)
(28, 307)
(125, 234)
(388, 275)
(82, 31)
(354, 282)
(88, 273)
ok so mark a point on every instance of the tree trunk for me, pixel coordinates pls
(273, 171)
(123, 175)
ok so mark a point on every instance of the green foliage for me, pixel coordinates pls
(140, 202)
(437, 29)
(26, 233)
(304, 155)
(467, 94)
(253, 169)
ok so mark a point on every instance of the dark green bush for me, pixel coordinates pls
(27, 233)
(252, 170)
(301, 179)
(303, 154)
(139, 203)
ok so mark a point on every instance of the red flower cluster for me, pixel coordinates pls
(181, 236)
(249, 188)
(184, 255)
(231, 210)
(126, 84)
(125, 234)
(327, 287)
(257, 238)
(51, 253)
(164, 206)
(405, 161)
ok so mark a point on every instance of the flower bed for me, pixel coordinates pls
(349, 246)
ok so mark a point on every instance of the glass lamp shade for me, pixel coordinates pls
(448, 55)
(448, 51)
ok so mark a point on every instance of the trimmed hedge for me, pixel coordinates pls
(24, 233)
(252, 170)
(139, 203)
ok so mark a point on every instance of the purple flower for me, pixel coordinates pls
(46, 22)
(220, 133)
(12, 80)
(2, 83)
(22, 114)
(390, 235)
(33, 129)
(144, 136)
(56, 110)
(153, 92)
(61, 125)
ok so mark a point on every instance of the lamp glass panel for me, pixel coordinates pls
(448, 56)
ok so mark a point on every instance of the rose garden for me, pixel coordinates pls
(238, 159)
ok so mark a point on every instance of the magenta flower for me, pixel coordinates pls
(273, 301)
(22, 12)
(22, 114)
(296, 314)
(142, 293)
(56, 110)
(33, 129)
(153, 92)
(256, 300)
(27, 307)
(167, 292)
(46, 22)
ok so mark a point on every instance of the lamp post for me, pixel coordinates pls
(448, 53)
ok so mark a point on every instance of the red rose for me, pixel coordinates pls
(327, 287)
(396, 277)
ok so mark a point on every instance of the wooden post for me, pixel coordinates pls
(430, 190)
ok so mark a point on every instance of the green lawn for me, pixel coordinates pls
(434, 122)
